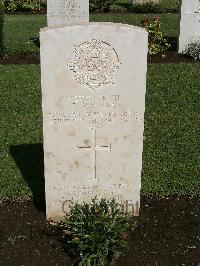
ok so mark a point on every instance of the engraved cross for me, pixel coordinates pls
(94, 148)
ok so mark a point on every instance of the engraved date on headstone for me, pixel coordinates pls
(94, 110)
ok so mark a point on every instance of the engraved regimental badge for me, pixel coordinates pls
(94, 63)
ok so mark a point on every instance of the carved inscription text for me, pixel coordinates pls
(93, 110)
(67, 9)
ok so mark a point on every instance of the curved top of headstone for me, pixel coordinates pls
(96, 24)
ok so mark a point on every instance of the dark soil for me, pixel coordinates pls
(170, 57)
(26, 239)
(28, 12)
(122, 8)
(20, 60)
(167, 233)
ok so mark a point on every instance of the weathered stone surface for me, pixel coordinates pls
(62, 12)
(93, 91)
(189, 23)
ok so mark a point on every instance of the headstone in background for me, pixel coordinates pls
(60, 12)
(93, 92)
(189, 23)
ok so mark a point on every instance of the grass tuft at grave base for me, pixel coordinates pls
(171, 162)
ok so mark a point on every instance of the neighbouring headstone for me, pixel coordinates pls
(93, 93)
(61, 12)
(189, 23)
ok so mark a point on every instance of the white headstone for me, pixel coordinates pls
(93, 91)
(189, 23)
(62, 12)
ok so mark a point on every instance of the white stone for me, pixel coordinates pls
(62, 12)
(93, 93)
(189, 23)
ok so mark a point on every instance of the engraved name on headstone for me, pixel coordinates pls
(189, 23)
(93, 91)
(61, 12)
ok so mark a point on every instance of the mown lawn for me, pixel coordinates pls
(20, 29)
(171, 162)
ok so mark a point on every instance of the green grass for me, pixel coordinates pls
(19, 30)
(171, 162)
(21, 123)
(172, 143)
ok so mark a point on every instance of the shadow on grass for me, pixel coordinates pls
(173, 42)
(36, 41)
(29, 159)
